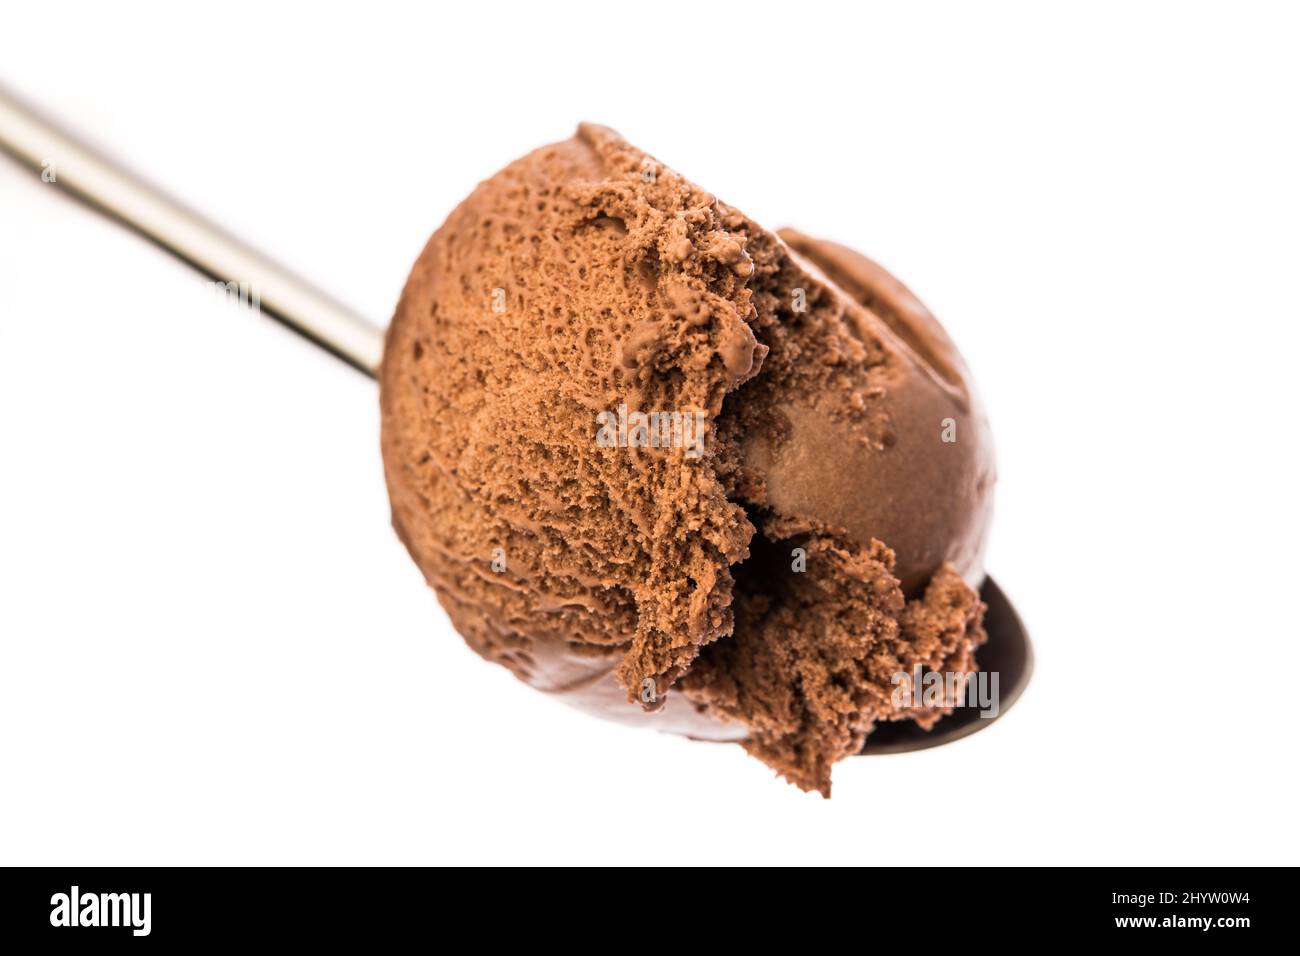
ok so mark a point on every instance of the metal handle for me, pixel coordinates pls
(92, 177)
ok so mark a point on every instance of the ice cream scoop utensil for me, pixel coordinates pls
(1006, 660)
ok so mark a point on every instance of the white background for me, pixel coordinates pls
(213, 649)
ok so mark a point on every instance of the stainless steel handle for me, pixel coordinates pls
(92, 177)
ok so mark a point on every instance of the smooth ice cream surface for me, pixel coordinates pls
(681, 470)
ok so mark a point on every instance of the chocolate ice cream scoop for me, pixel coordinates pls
(680, 470)
(666, 465)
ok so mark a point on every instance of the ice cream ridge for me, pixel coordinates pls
(681, 471)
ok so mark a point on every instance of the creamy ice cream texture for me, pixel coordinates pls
(679, 470)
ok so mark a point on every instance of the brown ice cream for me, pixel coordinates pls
(680, 470)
